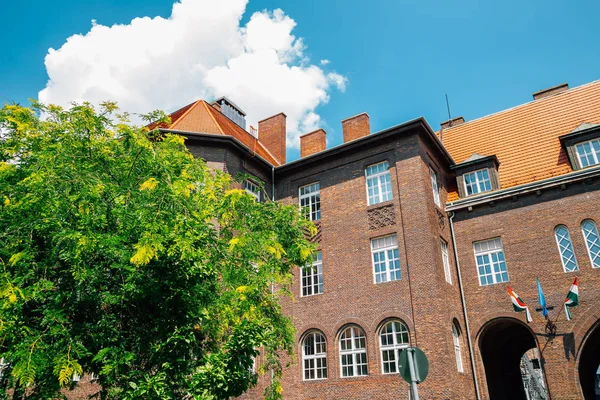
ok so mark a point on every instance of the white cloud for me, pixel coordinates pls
(201, 51)
(324, 62)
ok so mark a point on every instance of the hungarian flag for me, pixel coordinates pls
(572, 299)
(519, 305)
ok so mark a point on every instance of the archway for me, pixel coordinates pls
(589, 365)
(503, 342)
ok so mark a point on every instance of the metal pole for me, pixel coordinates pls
(413, 375)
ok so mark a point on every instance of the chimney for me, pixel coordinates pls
(271, 133)
(356, 127)
(452, 122)
(312, 143)
(551, 91)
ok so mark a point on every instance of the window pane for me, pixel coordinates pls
(592, 241)
(489, 258)
(565, 248)
(379, 185)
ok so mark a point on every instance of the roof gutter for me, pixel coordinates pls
(572, 177)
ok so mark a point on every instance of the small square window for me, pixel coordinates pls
(588, 153)
(477, 182)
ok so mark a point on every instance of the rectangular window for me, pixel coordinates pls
(435, 188)
(477, 182)
(310, 201)
(446, 261)
(588, 153)
(252, 189)
(312, 277)
(491, 266)
(379, 183)
(386, 260)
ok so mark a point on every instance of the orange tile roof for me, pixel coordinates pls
(201, 117)
(525, 138)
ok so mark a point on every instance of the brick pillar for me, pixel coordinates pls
(312, 143)
(356, 127)
(272, 133)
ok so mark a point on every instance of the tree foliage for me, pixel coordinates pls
(124, 256)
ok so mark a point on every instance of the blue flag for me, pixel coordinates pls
(542, 299)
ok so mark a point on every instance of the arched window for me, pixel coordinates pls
(314, 356)
(456, 341)
(353, 352)
(393, 337)
(592, 241)
(565, 247)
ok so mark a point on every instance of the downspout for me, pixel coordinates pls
(272, 283)
(464, 306)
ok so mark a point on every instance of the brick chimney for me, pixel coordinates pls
(272, 134)
(551, 91)
(452, 122)
(312, 143)
(356, 127)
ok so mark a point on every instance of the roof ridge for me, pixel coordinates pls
(206, 105)
(449, 129)
(173, 123)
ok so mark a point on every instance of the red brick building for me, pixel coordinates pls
(419, 234)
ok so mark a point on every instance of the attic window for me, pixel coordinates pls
(477, 181)
(583, 145)
(477, 174)
(588, 153)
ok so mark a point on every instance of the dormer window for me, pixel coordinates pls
(477, 182)
(583, 146)
(588, 153)
(477, 174)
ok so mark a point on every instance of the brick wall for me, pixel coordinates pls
(526, 226)
(422, 299)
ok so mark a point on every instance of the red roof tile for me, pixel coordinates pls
(201, 117)
(525, 138)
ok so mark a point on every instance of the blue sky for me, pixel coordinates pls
(399, 57)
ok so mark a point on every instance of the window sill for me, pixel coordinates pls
(380, 205)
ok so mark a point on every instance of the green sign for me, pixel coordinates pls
(419, 361)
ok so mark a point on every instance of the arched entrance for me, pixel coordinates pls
(589, 363)
(503, 342)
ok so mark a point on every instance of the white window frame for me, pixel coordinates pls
(312, 272)
(565, 244)
(446, 260)
(477, 182)
(435, 188)
(395, 347)
(490, 248)
(385, 253)
(382, 183)
(354, 351)
(592, 243)
(311, 195)
(252, 189)
(315, 357)
(457, 350)
(594, 153)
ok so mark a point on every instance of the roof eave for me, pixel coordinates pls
(348, 146)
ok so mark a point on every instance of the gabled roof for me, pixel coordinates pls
(201, 117)
(526, 138)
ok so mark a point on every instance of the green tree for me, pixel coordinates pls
(124, 256)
